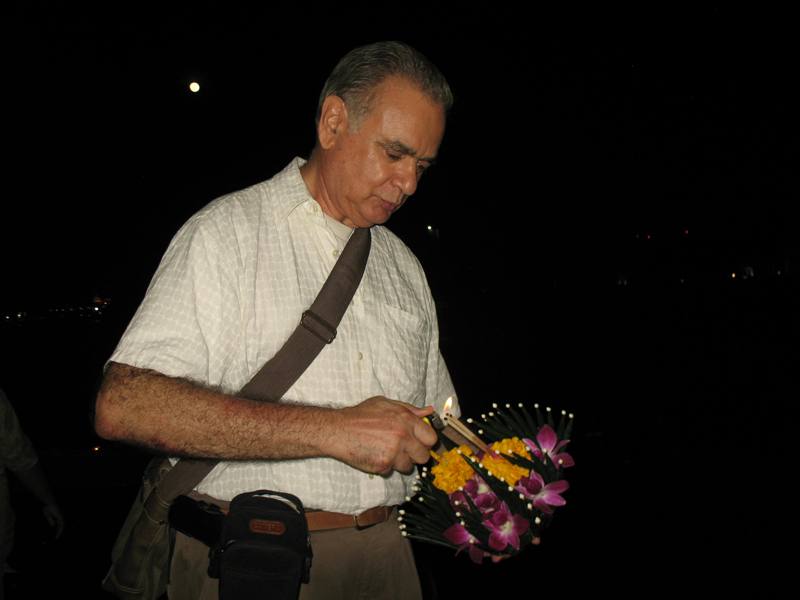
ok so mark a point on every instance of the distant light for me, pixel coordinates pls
(97, 308)
(430, 227)
(685, 232)
(194, 87)
(733, 275)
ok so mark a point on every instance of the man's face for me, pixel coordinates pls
(374, 165)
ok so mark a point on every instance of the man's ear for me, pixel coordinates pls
(332, 121)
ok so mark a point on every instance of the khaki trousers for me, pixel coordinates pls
(349, 564)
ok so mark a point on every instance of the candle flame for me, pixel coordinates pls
(448, 405)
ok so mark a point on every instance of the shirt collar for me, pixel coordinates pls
(294, 194)
(292, 191)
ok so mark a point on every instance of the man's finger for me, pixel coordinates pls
(420, 412)
(420, 455)
(425, 434)
(404, 464)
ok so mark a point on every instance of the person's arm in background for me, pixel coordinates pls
(19, 456)
(36, 483)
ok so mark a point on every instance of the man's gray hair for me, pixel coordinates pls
(357, 74)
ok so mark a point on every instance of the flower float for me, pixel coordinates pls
(495, 501)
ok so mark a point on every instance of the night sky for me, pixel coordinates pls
(572, 132)
(603, 177)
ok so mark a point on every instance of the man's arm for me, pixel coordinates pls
(180, 418)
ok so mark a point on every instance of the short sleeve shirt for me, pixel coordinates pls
(230, 290)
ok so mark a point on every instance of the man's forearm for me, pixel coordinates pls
(181, 418)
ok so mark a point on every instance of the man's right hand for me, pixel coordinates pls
(380, 435)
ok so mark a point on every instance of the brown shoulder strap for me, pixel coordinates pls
(316, 329)
(317, 325)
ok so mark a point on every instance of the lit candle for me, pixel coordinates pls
(452, 422)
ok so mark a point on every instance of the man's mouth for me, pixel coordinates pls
(390, 206)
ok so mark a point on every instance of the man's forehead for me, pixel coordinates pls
(405, 119)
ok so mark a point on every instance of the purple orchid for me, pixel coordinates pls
(544, 496)
(457, 534)
(547, 443)
(506, 528)
(481, 494)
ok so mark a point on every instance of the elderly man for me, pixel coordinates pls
(231, 288)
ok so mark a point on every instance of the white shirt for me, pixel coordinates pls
(230, 290)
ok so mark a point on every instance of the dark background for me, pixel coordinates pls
(611, 234)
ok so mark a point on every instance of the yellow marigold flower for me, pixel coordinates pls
(452, 471)
(512, 445)
(502, 468)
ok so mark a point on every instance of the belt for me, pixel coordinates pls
(320, 520)
(200, 517)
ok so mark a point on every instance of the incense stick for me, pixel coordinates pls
(452, 421)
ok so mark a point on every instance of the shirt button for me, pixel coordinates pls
(360, 356)
(335, 252)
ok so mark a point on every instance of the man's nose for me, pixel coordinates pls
(406, 176)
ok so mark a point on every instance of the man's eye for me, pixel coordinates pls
(422, 167)
(394, 156)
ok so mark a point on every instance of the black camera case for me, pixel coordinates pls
(265, 549)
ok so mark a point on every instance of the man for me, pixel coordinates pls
(18, 455)
(230, 290)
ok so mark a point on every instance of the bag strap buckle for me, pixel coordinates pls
(318, 326)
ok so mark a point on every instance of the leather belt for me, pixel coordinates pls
(321, 520)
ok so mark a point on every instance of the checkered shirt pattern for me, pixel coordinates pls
(229, 291)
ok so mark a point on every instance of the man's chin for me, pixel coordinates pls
(378, 218)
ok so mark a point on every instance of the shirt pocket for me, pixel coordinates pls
(401, 358)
